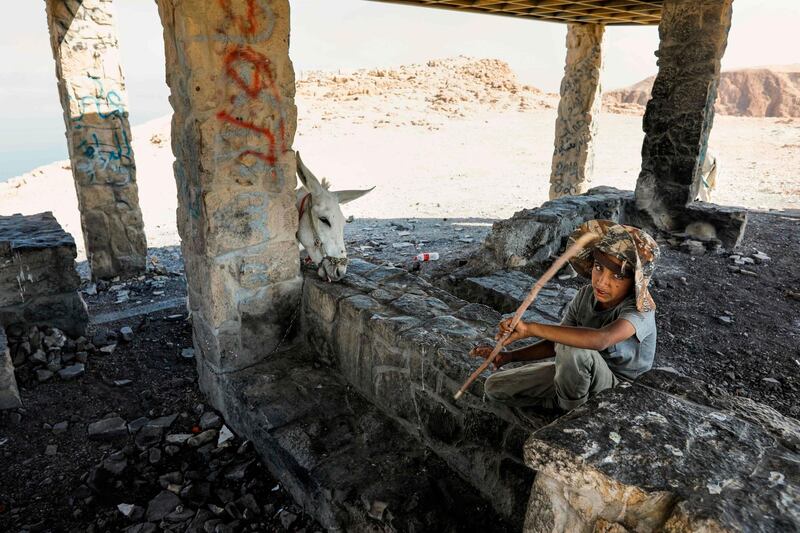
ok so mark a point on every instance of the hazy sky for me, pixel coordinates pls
(347, 34)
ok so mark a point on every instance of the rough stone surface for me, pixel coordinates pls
(9, 393)
(680, 113)
(340, 457)
(38, 281)
(93, 95)
(232, 91)
(534, 237)
(576, 124)
(505, 291)
(666, 453)
(408, 354)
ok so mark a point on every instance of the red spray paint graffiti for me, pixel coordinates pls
(261, 81)
(247, 26)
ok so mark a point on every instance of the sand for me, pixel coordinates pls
(484, 152)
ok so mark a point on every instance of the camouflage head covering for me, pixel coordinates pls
(634, 247)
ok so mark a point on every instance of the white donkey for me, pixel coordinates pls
(321, 222)
(708, 177)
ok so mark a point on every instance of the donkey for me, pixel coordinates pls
(321, 223)
(708, 177)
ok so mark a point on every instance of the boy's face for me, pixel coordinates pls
(609, 284)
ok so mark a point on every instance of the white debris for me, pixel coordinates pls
(225, 435)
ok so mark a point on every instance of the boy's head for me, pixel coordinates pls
(621, 259)
(612, 279)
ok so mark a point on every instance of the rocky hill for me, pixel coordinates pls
(451, 87)
(756, 92)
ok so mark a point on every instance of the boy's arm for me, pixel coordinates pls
(588, 338)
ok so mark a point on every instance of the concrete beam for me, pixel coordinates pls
(234, 120)
(92, 90)
(576, 125)
(680, 113)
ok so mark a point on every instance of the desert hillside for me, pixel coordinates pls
(756, 92)
(422, 93)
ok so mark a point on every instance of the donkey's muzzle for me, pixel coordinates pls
(335, 267)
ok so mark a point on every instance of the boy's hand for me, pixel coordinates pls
(485, 351)
(520, 332)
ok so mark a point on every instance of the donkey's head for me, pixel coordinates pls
(321, 227)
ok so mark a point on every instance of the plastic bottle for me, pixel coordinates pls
(432, 256)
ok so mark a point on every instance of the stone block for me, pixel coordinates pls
(667, 453)
(38, 280)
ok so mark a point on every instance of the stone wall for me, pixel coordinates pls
(403, 344)
(38, 281)
(92, 90)
(232, 91)
(578, 109)
(666, 454)
(532, 238)
(680, 113)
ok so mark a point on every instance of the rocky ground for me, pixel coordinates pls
(125, 440)
(114, 434)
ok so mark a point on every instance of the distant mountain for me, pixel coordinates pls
(772, 91)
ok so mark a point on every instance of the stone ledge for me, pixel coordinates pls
(342, 459)
(403, 344)
(666, 452)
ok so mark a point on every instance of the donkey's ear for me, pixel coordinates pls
(348, 196)
(308, 179)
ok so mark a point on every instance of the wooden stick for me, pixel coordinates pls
(571, 252)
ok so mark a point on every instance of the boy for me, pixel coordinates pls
(609, 329)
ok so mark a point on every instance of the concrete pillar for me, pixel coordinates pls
(92, 90)
(576, 125)
(680, 113)
(232, 91)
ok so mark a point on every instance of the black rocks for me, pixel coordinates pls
(162, 505)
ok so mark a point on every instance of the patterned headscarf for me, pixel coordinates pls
(633, 246)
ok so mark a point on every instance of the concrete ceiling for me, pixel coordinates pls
(609, 12)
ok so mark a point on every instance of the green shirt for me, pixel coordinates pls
(631, 357)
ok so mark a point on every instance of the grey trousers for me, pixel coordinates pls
(566, 382)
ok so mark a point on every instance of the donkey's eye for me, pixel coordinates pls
(325, 221)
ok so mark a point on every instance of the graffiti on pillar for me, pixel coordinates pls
(103, 104)
(102, 144)
(251, 74)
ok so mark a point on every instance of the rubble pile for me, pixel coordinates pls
(41, 354)
(179, 473)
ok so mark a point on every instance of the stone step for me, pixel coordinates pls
(505, 290)
(342, 459)
(404, 344)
